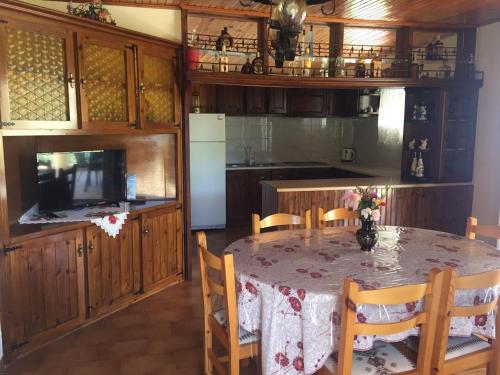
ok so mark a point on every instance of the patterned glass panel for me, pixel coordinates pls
(106, 86)
(36, 71)
(158, 85)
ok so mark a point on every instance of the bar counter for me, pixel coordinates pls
(439, 206)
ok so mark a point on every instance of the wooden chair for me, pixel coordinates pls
(396, 361)
(335, 214)
(238, 343)
(457, 354)
(280, 219)
(473, 229)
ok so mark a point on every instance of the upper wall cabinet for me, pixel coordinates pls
(159, 93)
(37, 76)
(107, 82)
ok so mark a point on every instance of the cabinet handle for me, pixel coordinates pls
(71, 80)
(80, 250)
(145, 231)
(6, 124)
(142, 88)
(90, 247)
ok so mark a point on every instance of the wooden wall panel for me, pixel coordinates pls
(443, 208)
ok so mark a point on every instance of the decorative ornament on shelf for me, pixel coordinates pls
(419, 173)
(367, 203)
(424, 144)
(413, 167)
(93, 10)
(225, 40)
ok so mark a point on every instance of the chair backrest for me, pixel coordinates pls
(225, 288)
(335, 214)
(280, 219)
(448, 310)
(473, 229)
(430, 292)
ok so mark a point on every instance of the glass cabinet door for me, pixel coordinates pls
(158, 88)
(106, 83)
(37, 77)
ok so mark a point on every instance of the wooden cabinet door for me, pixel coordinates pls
(237, 198)
(159, 92)
(162, 247)
(344, 103)
(277, 100)
(256, 100)
(231, 100)
(113, 267)
(37, 77)
(107, 82)
(255, 177)
(43, 288)
(307, 103)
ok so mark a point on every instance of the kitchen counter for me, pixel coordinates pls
(348, 183)
(344, 166)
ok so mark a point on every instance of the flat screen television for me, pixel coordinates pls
(68, 180)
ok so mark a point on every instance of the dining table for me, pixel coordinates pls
(290, 282)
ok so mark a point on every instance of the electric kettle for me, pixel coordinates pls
(348, 154)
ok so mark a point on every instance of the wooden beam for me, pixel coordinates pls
(336, 44)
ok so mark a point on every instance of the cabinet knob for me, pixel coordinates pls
(79, 250)
(145, 231)
(142, 88)
(83, 81)
(90, 247)
(71, 80)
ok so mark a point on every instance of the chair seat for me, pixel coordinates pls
(457, 346)
(383, 358)
(246, 337)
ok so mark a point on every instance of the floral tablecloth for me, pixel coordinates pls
(290, 283)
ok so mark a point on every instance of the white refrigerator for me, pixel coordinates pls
(207, 136)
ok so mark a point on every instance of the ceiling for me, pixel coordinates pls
(410, 12)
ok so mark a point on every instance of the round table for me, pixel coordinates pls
(289, 286)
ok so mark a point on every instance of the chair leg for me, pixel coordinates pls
(207, 345)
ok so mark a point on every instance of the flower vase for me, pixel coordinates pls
(367, 236)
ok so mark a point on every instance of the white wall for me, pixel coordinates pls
(487, 156)
(163, 23)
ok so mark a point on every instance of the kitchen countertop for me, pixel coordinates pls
(345, 166)
(347, 183)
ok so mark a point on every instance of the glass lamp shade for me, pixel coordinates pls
(292, 13)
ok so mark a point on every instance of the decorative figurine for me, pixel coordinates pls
(419, 173)
(413, 167)
(423, 144)
(416, 110)
(423, 113)
(411, 145)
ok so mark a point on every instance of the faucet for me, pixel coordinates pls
(249, 159)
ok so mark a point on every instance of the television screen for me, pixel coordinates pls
(76, 179)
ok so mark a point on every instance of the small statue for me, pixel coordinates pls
(419, 173)
(416, 110)
(423, 144)
(411, 145)
(423, 113)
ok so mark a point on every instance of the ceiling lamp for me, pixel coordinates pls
(285, 25)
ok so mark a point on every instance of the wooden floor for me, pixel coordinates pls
(159, 335)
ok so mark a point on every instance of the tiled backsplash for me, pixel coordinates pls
(376, 140)
(278, 139)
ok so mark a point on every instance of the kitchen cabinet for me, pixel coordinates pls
(113, 267)
(43, 288)
(255, 177)
(345, 103)
(277, 100)
(307, 102)
(256, 100)
(237, 197)
(37, 71)
(159, 92)
(107, 82)
(458, 135)
(161, 247)
(231, 100)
